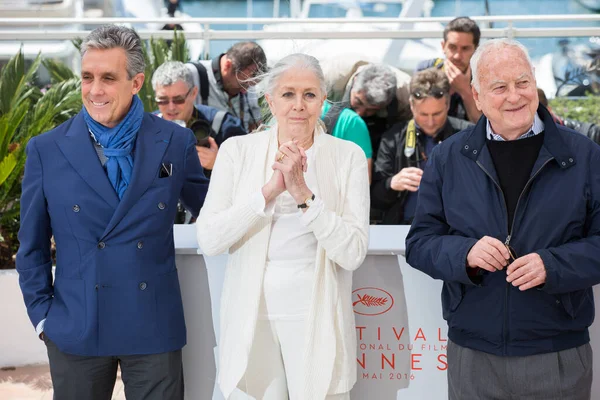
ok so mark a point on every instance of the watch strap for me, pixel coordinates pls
(304, 205)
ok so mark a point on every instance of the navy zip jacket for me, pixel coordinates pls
(557, 216)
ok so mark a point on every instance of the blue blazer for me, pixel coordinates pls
(116, 290)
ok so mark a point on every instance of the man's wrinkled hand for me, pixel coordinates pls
(488, 253)
(527, 272)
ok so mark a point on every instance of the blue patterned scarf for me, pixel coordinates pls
(118, 143)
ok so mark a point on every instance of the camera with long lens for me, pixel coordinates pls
(202, 130)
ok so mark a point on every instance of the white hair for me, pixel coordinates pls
(377, 82)
(269, 80)
(490, 47)
(170, 73)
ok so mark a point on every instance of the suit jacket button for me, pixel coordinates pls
(161, 206)
(143, 286)
(140, 244)
(101, 245)
(76, 208)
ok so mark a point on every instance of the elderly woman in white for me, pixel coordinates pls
(291, 206)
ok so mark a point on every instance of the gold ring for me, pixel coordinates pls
(281, 157)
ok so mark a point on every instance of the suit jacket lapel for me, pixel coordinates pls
(150, 146)
(78, 149)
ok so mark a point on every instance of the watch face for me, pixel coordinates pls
(309, 202)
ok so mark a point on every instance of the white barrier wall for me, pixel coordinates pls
(401, 334)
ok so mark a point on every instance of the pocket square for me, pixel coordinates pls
(166, 170)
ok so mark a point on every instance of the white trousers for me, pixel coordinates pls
(275, 363)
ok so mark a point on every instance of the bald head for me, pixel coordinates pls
(504, 87)
(494, 48)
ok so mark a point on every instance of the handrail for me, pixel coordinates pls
(44, 34)
(268, 21)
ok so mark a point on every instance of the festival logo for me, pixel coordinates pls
(371, 301)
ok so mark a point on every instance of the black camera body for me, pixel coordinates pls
(202, 130)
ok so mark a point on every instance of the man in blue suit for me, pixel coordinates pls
(105, 184)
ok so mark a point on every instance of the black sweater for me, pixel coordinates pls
(514, 161)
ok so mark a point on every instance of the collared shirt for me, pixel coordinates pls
(99, 149)
(538, 127)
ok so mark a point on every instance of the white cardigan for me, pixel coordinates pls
(227, 222)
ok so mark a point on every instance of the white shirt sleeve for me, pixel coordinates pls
(313, 211)
(257, 203)
(40, 327)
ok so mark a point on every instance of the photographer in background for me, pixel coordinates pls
(175, 92)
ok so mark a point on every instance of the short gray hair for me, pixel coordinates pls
(377, 83)
(170, 72)
(108, 37)
(493, 46)
(270, 80)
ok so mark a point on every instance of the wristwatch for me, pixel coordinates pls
(308, 202)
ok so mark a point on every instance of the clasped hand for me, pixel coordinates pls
(289, 167)
(492, 255)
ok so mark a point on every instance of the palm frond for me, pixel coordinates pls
(59, 72)
(7, 165)
(9, 126)
(179, 50)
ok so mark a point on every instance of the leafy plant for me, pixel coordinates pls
(26, 111)
(158, 52)
(584, 109)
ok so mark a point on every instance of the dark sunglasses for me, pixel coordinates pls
(433, 92)
(176, 100)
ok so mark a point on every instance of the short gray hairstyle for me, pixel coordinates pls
(493, 46)
(270, 80)
(170, 72)
(108, 37)
(377, 83)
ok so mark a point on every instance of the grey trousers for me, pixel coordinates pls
(145, 377)
(564, 375)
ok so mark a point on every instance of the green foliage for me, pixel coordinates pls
(26, 111)
(584, 109)
(77, 43)
(15, 83)
(158, 52)
(58, 71)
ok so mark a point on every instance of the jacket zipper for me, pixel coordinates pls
(507, 240)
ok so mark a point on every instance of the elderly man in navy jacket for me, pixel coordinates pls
(105, 184)
(508, 216)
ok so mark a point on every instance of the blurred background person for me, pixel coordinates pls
(224, 82)
(175, 92)
(290, 204)
(376, 92)
(405, 148)
(461, 38)
(344, 123)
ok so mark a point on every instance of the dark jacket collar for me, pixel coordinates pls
(554, 143)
